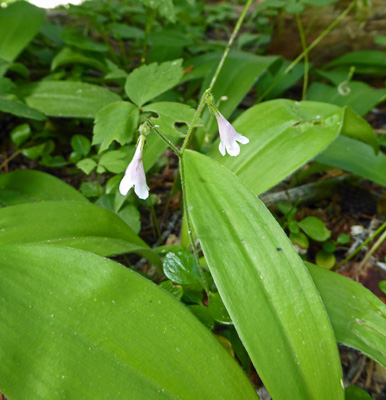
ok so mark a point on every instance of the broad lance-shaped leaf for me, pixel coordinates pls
(357, 315)
(284, 134)
(28, 186)
(265, 286)
(78, 326)
(67, 98)
(357, 157)
(19, 23)
(78, 225)
(20, 109)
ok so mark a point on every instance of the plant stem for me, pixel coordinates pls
(307, 50)
(189, 224)
(120, 41)
(371, 251)
(359, 248)
(190, 131)
(216, 74)
(10, 158)
(155, 220)
(163, 137)
(304, 46)
(149, 23)
(230, 42)
(193, 123)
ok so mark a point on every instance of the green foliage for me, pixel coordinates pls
(357, 315)
(67, 99)
(181, 268)
(119, 120)
(74, 92)
(27, 186)
(19, 23)
(252, 287)
(353, 392)
(149, 81)
(315, 229)
(122, 330)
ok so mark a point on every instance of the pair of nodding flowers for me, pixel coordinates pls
(135, 173)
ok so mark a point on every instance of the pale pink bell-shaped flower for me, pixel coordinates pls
(135, 174)
(229, 137)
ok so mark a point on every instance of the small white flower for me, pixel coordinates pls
(229, 137)
(135, 174)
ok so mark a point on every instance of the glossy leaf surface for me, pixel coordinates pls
(149, 81)
(357, 157)
(20, 109)
(265, 287)
(19, 23)
(78, 225)
(67, 98)
(75, 325)
(358, 95)
(27, 186)
(283, 135)
(357, 315)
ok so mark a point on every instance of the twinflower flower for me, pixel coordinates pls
(135, 174)
(229, 137)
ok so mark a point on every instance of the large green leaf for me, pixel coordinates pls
(149, 81)
(365, 61)
(26, 186)
(78, 225)
(71, 56)
(357, 157)
(361, 97)
(357, 315)
(284, 135)
(77, 326)
(15, 107)
(67, 98)
(19, 23)
(265, 286)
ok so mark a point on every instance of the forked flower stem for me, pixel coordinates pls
(163, 137)
(193, 123)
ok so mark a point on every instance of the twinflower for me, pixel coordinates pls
(229, 137)
(135, 174)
